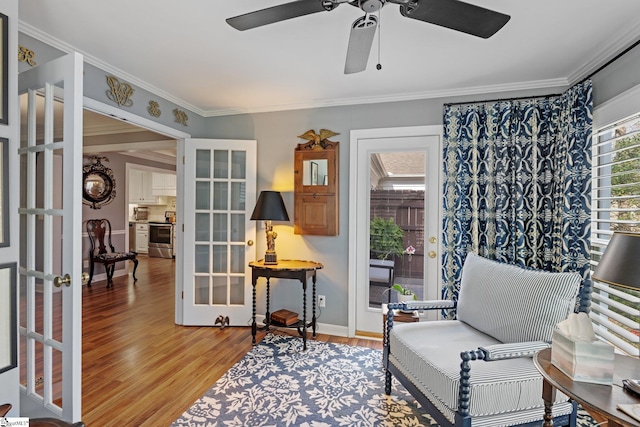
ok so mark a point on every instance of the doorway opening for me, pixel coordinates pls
(103, 135)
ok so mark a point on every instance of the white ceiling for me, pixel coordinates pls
(187, 53)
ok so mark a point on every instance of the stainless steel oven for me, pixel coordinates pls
(161, 240)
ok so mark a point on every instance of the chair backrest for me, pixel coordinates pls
(99, 231)
(514, 304)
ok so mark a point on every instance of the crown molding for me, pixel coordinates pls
(67, 48)
(478, 90)
(605, 54)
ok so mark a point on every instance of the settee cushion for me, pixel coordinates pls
(503, 392)
(513, 304)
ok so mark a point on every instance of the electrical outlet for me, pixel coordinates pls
(85, 263)
(321, 301)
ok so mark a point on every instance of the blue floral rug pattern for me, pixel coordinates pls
(278, 384)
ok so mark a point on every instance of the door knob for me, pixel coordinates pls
(432, 239)
(85, 277)
(59, 281)
(250, 243)
(432, 254)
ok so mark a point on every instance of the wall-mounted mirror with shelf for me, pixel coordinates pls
(316, 189)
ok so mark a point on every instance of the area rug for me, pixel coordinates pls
(278, 384)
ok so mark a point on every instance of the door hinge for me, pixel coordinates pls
(183, 160)
(182, 294)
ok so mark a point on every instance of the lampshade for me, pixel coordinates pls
(270, 206)
(620, 264)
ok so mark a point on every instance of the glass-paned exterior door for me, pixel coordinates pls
(220, 193)
(395, 187)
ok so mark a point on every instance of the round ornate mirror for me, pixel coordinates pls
(98, 184)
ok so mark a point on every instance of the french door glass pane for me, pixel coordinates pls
(202, 259)
(220, 259)
(203, 233)
(219, 227)
(237, 228)
(203, 164)
(237, 290)
(237, 259)
(238, 165)
(219, 289)
(203, 195)
(201, 288)
(220, 194)
(221, 164)
(237, 196)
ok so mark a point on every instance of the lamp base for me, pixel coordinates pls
(270, 258)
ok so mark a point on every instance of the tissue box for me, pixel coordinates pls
(590, 362)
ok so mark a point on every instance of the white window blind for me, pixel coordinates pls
(615, 312)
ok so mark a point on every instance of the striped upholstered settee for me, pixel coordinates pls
(478, 370)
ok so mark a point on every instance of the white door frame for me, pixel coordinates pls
(117, 113)
(356, 247)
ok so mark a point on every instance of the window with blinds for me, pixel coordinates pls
(615, 312)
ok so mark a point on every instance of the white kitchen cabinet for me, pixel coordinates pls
(163, 184)
(142, 238)
(140, 187)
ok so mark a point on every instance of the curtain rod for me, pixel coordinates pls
(602, 67)
(500, 99)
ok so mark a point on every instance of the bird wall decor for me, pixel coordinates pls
(318, 140)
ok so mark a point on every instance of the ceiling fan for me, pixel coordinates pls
(453, 14)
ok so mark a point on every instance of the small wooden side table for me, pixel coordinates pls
(601, 399)
(286, 269)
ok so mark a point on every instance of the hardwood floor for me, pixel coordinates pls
(139, 367)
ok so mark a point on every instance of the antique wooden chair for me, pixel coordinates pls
(99, 230)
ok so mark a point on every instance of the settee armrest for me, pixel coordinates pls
(512, 350)
(410, 305)
(438, 304)
(488, 354)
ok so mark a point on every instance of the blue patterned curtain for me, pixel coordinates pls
(518, 183)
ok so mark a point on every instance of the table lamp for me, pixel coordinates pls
(620, 265)
(270, 207)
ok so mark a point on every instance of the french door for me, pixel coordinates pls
(219, 196)
(50, 273)
(370, 150)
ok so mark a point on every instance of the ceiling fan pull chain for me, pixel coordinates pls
(379, 65)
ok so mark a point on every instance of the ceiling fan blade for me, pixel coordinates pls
(279, 13)
(360, 40)
(456, 15)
